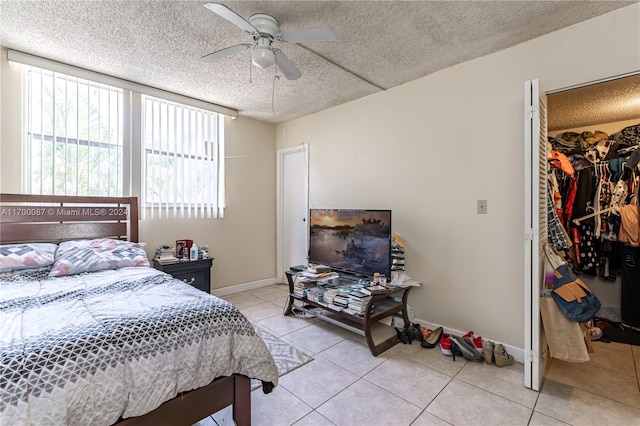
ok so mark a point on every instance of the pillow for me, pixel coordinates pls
(76, 257)
(16, 257)
(36, 274)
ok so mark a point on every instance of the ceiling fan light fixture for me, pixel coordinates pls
(263, 57)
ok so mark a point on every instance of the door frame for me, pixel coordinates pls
(535, 230)
(282, 153)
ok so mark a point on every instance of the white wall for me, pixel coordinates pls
(243, 243)
(430, 148)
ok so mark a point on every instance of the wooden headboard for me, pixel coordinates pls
(56, 218)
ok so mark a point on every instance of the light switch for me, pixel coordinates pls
(482, 206)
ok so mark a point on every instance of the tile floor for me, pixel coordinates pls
(409, 385)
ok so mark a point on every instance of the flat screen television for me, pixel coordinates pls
(352, 241)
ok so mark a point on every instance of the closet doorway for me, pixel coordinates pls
(607, 106)
(293, 208)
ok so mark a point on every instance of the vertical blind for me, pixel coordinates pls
(74, 134)
(183, 160)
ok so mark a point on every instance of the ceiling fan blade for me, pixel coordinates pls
(232, 17)
(216, 56)
(310, 35)
(286, 66)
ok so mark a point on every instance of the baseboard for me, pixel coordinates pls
(518, 353)
(225, 291)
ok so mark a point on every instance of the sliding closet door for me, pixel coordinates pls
(535, 229)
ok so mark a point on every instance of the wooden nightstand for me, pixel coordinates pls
(196, 273)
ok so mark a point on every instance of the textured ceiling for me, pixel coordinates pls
(607, 102)
(380, 44)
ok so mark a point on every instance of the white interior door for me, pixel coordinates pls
(293, 208)
(535, 230)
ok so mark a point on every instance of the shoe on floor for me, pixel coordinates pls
(595, 333)
(445, 344)
(475, 341)
(501, 357)
(467, 349)
(432, 338)
(488, 351)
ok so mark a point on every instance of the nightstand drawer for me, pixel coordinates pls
(198, 279)
(196, 273)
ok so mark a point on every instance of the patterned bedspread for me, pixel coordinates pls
(87, 349)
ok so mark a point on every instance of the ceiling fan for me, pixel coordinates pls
(264, 30)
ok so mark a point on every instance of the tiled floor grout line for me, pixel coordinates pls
(436, 396)
(536, 402)
(636, 367)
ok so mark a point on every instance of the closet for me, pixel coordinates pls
(594, 155)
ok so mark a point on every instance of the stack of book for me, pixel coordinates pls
(318, 269)
(319, 276)
(315, 294)
(301, 285)
(397, 254)
(341, 300)
(358, 302)
(336, 298)
(376, 289)
(165, 255)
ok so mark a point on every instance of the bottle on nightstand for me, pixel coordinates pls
(194, 252)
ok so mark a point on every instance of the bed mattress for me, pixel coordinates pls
(89, 349)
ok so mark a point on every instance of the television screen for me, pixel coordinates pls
(351, 241)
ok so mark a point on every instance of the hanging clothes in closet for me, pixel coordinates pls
(593, 191)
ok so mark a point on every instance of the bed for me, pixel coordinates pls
(116, 343)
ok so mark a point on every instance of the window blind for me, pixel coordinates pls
(183, 174)
(74, 137)
(39, 62)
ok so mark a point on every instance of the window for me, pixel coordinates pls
(78, 143)
(74, 137)
(183, 160)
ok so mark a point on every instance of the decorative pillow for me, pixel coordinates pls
(76, 257)
(16, 257)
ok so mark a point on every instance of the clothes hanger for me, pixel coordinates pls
(598, 213)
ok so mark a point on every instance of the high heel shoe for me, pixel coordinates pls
(501, 357)
(488, 351)
(432, 338)
(445, 344)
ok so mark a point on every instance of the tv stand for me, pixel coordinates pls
(379, 337)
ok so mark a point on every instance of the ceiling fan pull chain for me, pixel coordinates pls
(273, 91)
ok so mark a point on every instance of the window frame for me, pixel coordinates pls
(185, 208)
(134, 155)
